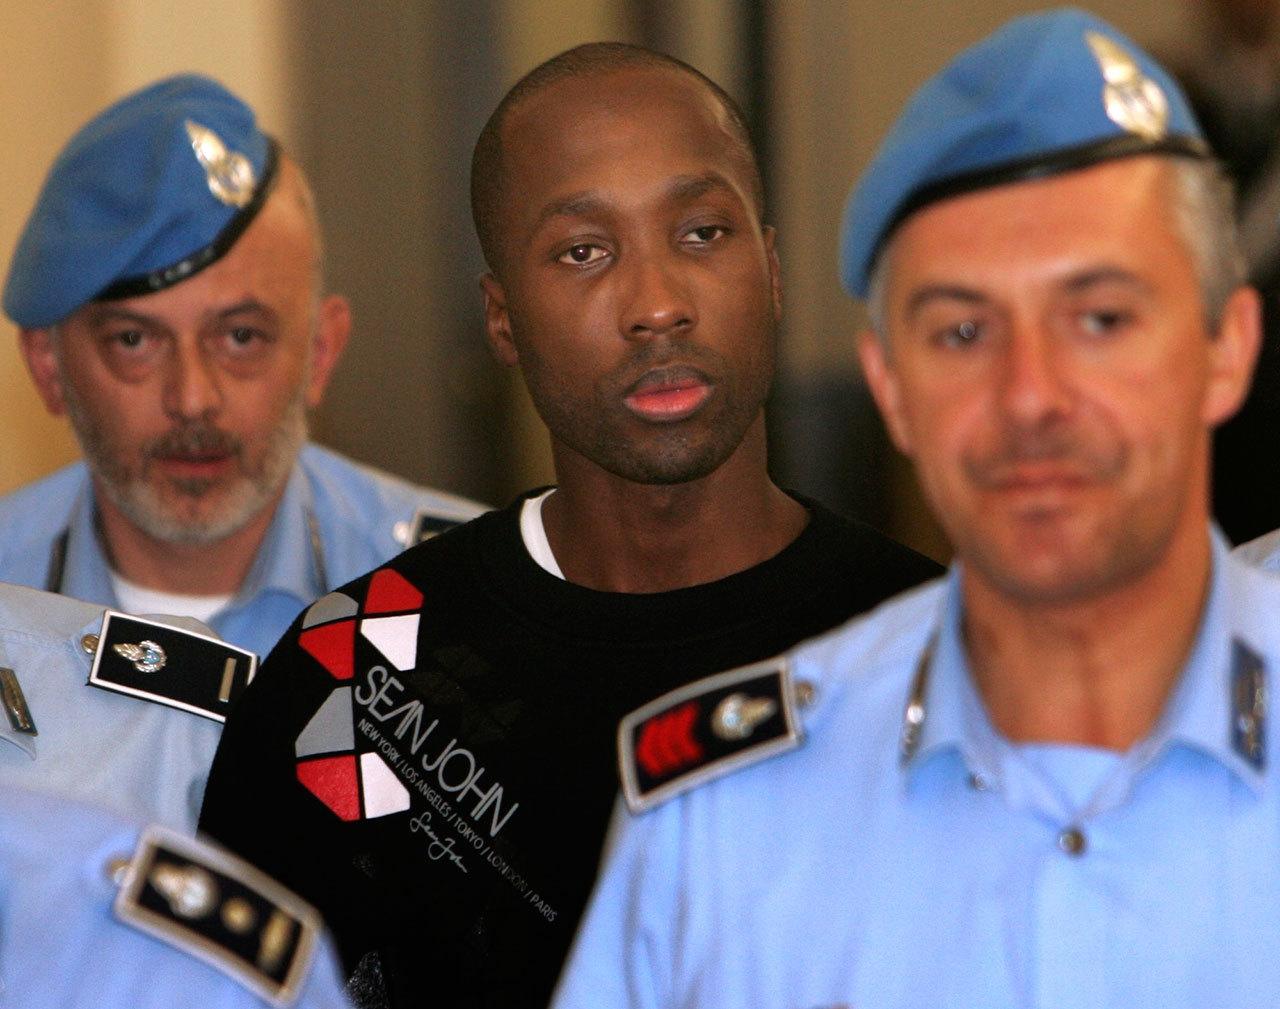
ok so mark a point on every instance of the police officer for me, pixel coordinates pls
(96, 913)
(121, 711)
(168, 291)
(1049, 779)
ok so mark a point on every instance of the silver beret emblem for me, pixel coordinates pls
(1133, 101)
(230, 175)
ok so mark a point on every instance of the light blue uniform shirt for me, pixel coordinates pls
(142, 760)
(841, 875)
(355, 511)
(1264, 552)
(60, 944)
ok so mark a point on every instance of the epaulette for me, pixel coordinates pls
(168, 665)
(210, 904)
(423, 526)
(708, 728)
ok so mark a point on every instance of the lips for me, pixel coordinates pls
(1033, 478)
(202, 464)
(666, 395)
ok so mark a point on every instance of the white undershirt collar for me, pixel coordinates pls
(534, 534)
(139, 600)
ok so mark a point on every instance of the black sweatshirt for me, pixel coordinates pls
(428, 755)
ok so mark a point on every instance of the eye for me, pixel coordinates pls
(127, 339)
(582, 254)
(242, 336)
(242, 344)
(961, 335)
(1104, 321)
(704, 234)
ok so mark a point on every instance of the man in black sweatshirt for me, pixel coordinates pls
(428, 753)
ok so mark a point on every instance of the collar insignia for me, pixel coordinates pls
(1133, 101)
(230, 175)
(1248, 704)
(15, 704)
(146, 656)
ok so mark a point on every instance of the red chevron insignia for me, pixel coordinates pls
(667, 744)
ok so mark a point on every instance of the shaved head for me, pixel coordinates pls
(594, 59)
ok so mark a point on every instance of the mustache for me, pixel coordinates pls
(1064, 448)
(193, 440)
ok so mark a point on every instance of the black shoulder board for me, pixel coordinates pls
(182, 669)
(705, 730)
(424, 526)
(206, 902)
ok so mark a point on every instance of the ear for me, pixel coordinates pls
(497, 321)
(883, 382)
(775, 270)
(42, 361)
(1233, 352)
(332, 330)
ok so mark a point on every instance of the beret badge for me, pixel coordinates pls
(1133, 101)
(230, 175)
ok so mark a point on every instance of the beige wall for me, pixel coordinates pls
(59, 64)
(840, 72)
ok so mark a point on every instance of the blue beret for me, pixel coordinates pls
(1047, 93)
(150, 191)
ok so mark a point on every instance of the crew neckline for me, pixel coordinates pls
(799, 572)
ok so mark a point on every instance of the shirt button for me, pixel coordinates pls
(89, 643)
(1072, 841)
(978, 782)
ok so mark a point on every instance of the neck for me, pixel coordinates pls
(1096, 672)
(615, 535)
(195, 569)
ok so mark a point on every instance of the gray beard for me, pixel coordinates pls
(147, 509)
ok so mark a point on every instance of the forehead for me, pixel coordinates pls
(272, 263)
(1121, 212)
(615, 131)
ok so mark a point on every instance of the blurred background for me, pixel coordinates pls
(381, 102)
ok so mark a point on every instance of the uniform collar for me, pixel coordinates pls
(85, 572)
(1202, 710)
(1199, 714)
(955, 717)
(290, 560)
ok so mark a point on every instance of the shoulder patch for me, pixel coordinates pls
(210, 904)
(423, 526)
(705, 730)
(181, 669)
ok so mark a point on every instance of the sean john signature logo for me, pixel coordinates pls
(438, 848)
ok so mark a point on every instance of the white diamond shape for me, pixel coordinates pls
(383, 793)
(394, 637)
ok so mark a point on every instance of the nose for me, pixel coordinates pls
(658, 299)
(1035, 385)
(192, 387)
